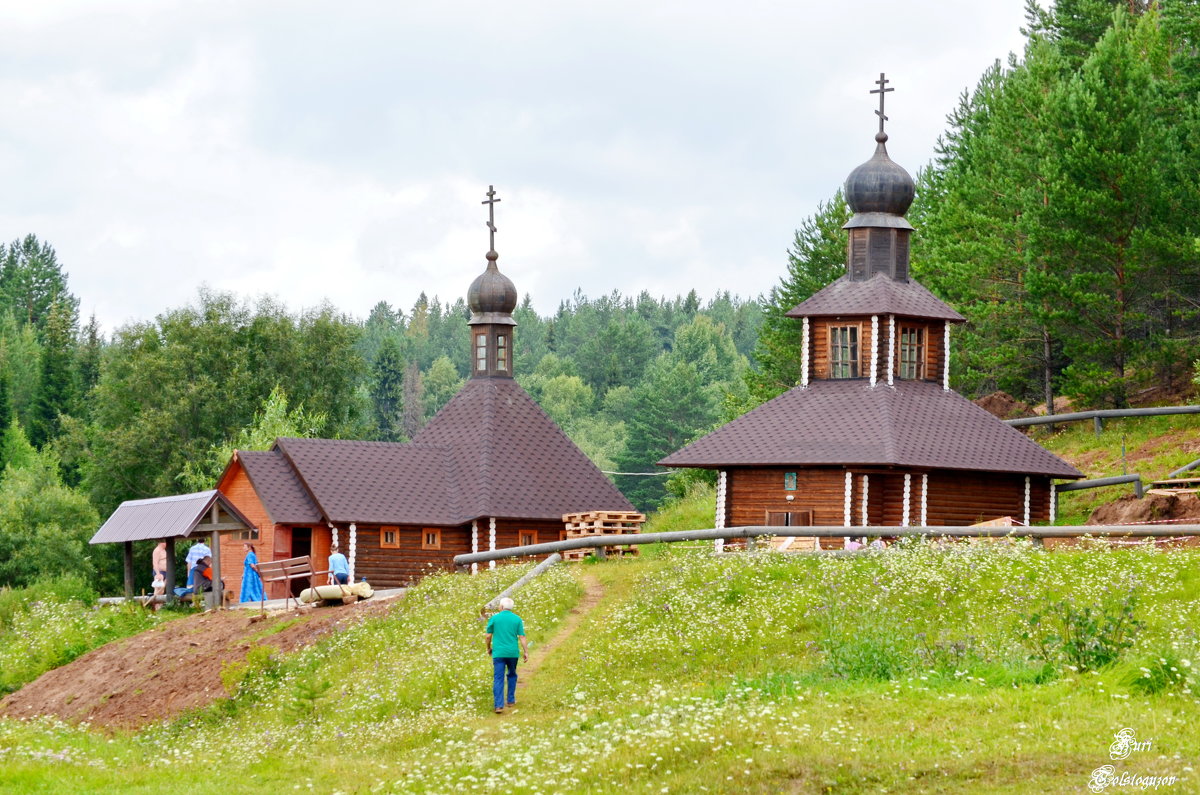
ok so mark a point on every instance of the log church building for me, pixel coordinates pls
(490, 470)
(873, 434)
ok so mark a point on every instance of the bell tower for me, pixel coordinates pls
(492, 298)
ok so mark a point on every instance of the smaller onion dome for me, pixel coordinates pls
(492, 296)
(879, 185)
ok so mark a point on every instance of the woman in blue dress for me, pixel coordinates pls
(252, 587)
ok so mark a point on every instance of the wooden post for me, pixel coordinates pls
(170, 592)
(218, 597)
(128, 569)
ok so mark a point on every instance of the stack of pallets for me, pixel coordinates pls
(597, 523)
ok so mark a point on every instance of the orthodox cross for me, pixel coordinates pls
(491, 224)
(881, 91)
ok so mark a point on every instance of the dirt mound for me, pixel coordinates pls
(1004, 406)
(1151, 508)
(173, 668)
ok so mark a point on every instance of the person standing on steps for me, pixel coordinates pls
(505, 638)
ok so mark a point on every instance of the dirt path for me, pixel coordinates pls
(593, 592)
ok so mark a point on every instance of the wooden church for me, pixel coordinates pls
(873, 434)
(490, 470)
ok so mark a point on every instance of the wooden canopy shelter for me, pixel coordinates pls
(205, 513)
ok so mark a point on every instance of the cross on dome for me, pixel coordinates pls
(490, 201)
(881, 91)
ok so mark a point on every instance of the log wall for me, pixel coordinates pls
(955, 498)
(819, 346)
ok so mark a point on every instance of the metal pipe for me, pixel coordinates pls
(1184, 468)
(1066, 531)
(1103, 413)
(1115, 480)
(529, 575)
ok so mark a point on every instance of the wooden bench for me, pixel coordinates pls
(287, 570)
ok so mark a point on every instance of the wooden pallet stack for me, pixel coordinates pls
(597, 523)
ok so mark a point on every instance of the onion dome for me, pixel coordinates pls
(879, 185)
(492, 296)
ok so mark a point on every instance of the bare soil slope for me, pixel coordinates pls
(1131, 509)
(173, 668)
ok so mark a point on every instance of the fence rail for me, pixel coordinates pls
(750, 532)
(1100, 415)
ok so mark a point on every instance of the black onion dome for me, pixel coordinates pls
(492, 296)
(879, 185)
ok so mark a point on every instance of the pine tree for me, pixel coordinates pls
(387, 391)
(56, 388)
(31, 281)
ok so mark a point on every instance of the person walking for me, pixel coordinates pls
(252, 584)
(505, 639)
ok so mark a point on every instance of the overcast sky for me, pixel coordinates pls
(340, 151)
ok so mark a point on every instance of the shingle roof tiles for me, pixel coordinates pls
(879, 295)
(914, 424)
(282, 494)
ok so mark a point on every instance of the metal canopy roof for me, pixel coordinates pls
(171, 517)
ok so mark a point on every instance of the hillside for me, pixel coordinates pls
(922, 670)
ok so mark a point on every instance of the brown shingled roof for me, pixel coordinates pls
(376, 482)
(513, 459)
(913, 424)
(279, 488)
(879, 295)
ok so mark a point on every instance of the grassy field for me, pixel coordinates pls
(992, 668)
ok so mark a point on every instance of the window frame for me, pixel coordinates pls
(383, 534)
(916, 363)
(502, 352)
(426, 532)
(481, 352)
(854, 362)
(522, 534)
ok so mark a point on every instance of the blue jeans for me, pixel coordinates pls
(341, 579)
(499, 666)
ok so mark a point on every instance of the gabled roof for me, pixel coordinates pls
(913, 424)
(513, 460)
(281, 492)
(376, 482)
(169, 517)
(879, 295)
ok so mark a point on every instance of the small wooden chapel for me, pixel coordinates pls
(873, 434)
(490, 470)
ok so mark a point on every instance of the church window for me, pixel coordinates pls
(912, 353)
(789, 481)
(502, 352)
(481, 353)
(431, 538)
(527, 537)
(843, 351)
(389, 537)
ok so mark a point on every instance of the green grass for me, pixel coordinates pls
(1153, 448)
(51, 623)
(902, 672)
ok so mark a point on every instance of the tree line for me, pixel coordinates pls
(1060, 216)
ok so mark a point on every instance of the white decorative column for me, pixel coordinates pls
(1027, 489)
(719, 518)
(907, 499)
(1053, 503)
(846, 507)
(891, 348)
(491, 539)
(804, 352)
(353, 549)
(474, 543)
(874, 348)
(334, 532)
(946, 357)
(925, 500)
(865, 485)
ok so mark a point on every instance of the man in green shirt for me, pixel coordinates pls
(504, 631)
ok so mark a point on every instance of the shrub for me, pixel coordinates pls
(1163, 673)
(1087, 637)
